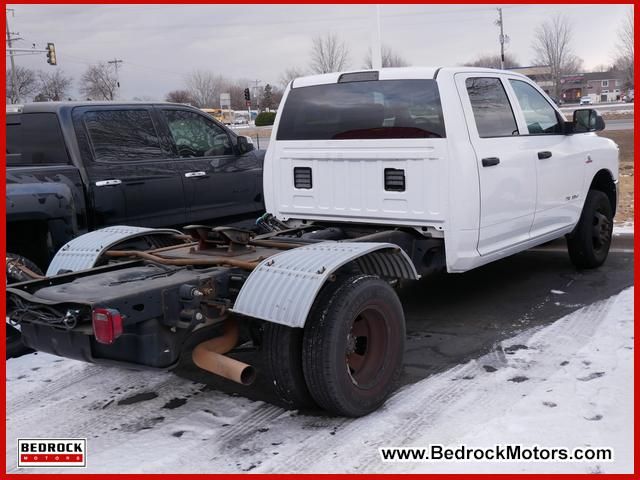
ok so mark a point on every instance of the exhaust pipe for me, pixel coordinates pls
(209, 356)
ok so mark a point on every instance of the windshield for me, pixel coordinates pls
(363, 110)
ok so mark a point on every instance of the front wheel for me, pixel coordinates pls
(589, 243)
(353, 345)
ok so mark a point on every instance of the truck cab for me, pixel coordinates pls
(480, 158)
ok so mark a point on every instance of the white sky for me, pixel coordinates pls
(160, 43)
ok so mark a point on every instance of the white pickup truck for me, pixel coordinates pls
(371, 177)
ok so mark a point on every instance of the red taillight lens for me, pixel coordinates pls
(107, 324)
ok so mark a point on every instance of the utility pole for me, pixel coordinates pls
(502, 38)
(14, 83)
(376, 44)
(255, 95)
(115, 63)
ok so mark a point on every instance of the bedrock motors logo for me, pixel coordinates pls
(52, 452)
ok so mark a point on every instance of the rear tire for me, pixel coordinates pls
(589, 243)
(354, 345)
(282, 346)
(14, 344)
(15, 275)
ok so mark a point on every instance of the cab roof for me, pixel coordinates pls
(403, 73)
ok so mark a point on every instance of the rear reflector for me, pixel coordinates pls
(107, 324)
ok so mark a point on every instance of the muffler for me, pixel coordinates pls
(209, 356)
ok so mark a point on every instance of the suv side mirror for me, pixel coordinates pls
(244, 144)
(587, 120)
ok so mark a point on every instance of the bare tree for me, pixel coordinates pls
(99, 82)
(552, 45)
(328, 54)
(290, 74)
(179, 96)
(205, 88)
(624, 48)
(53, 86)
(26, 84)
(493, 61)
(389, 59)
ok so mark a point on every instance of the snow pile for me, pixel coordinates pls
(568, 384)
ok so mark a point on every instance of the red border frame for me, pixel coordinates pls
(194, 476)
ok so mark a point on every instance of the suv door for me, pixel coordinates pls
(505, 168)
(133, 174)
(217, 181)
(560, 160)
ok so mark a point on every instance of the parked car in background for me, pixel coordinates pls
(585, 100)
(75, 167)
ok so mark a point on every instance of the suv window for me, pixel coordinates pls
(491, 108)
(541, 117)
(122, 135)
(196, 135)
(37, 139)
(363, 110)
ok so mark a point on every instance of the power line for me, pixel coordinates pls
(115, 63)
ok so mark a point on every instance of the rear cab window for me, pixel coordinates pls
(122, 135)
(377, 109)
(35, 139)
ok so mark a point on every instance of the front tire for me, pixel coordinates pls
(589, 243)
(354, 345)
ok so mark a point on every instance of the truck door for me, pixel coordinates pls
(507, 171)
(560, 161)
(217, 182)
(130, 168)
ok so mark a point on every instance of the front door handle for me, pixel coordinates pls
(543, 155)
(195, 174)
(490, 161)
(108, 183)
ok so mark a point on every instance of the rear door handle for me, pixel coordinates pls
(195, 174)
(543, 155)
(490, 161)
(108, 183)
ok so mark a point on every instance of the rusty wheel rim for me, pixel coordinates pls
(366, 347)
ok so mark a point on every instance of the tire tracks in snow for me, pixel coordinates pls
(433, 403)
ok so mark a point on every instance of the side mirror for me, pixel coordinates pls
(587, 120)
(244, 144)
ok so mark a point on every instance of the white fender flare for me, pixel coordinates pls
(283, 287)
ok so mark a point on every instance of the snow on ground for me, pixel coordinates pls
(625, 228)
(567, 384)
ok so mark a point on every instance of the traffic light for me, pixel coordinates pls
(247, 95)
(51, 54)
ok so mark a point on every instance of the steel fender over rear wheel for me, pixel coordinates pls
(590, 241)
(282, 348)
(353, 345)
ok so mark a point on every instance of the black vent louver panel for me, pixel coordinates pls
(394, 180)
(302, 177)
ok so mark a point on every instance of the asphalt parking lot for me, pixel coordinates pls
(452, 318)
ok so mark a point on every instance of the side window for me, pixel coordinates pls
(541, 117)
(491, 108)
(122, 135)
(196, 136)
